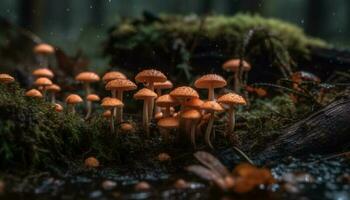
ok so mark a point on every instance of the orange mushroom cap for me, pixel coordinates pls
(109, 103)
(233, 64)
(58, 107)
(184, 92)
(168, 122)
(107, 114)
(191, 114)
(163, 85)
(44, 49)
(210, 81)
(145, 93)
(6, 78)
(43, 72)
(109, 76)
(232, 99)
(53, 88)
(121, 84)
(73, 99)
(150, 75)
(194, 103)
(34, 93)
(93, 97)
(212, 106)
(43, 81)
(166, 101)
(87, 77)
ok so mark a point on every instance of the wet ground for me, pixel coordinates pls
(310, 178)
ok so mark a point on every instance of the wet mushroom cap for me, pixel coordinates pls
(73, 99)
(166, 100)
(34, 93)
(168, 122)
(233, 64)
(43, 72)
(93, 97)
(58, 107)
(163, 85)
(44, 49)
(87, 77)
(191, 114)
(210, 81)
(194, 103)
(150, 75)
(145, 93)
(53, 88)
(184, 92)
(232, 99)
(109, 103)
(121, 84)
(43, 81)
(212, 106)
(109, 76)
(6, 78)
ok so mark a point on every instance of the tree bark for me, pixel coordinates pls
(326, 131)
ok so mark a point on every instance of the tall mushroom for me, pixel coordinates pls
(192, 116)
(233, 65)
(231, 100)
(44, 51)
(112, 75)
(6, 78)
(159, 86)
(210, 82)
(43, 72)
(149, 77)
(72, 100)
(91, 98)
(42, 83)
(34, 93)
(117, 87)
(146, 95)
(87, 78)
(165, 124)
(53, 89)
(166, 101)
(211, 107)
(184, 94)
(109, 104)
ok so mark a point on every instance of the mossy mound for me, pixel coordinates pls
(189, 45)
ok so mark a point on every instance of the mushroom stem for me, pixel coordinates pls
(167, 112)
(72, 109)
(165, 134)
(119, 117)
(237, 83)
(193, 134)
(53, 97)
(231, 120)
(145, 117)
(88, 91)
(151, 102)
(89, 111)
(112, 124)
(209, 129)
(114, 95)
(157, 108)
(211, 95)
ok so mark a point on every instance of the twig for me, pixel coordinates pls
(243, 155)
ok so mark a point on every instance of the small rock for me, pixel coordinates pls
(143, 185)
(91, 162)
(108, 185)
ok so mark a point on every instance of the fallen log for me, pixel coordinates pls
(326, 131)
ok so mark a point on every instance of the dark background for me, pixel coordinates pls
(72, 24)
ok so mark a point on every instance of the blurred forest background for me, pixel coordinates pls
(83, 24)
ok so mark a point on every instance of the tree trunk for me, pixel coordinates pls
(326, 131)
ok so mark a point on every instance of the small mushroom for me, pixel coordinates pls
(53, 89)
(117, 87)
(163, 157)
(43, 72)
(233, 65)
(107, 114)
(159, 86)
(181, 184)
(149, 77)
(72, 100)
(109, 103)
(91, 162)
(91, 98)
(34, 93)
(231, 100)
(44, 51)
(194, 103)
(6, 78)
(87, 78)
(42, 83)
(127, 127)
(211, 107)
(192, 116)
(58, 107)
(146, 95)
(166, 101)
(112, 75)
(210, 82)
(143, 185)
(166, 124)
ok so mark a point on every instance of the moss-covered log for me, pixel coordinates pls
(326, 131)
